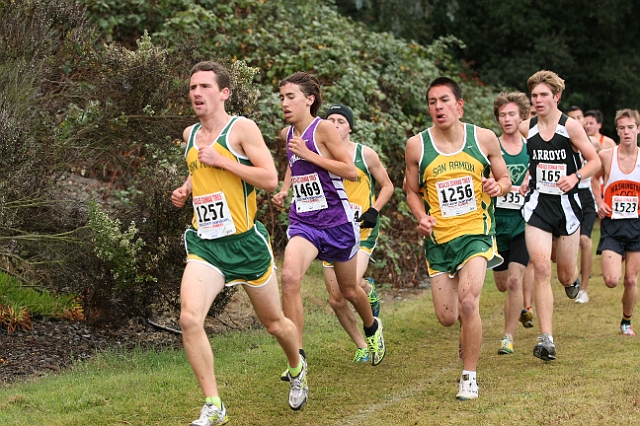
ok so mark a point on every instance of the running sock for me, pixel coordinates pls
(626, 320)
(471, 375)
(215, 400)
(370, 331)
(295, 371)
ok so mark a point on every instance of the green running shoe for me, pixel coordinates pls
(376, 346)
(362, 355)
(506, 346)
(374, 299)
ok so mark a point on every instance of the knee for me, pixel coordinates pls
(610, 281)
(585, 243)
(349, 293)
(630, 283)
(566, 277)
(468, 306)
(446, 316)
(291, 280)
(190, 321)
(336, 301)
(274, 326)
(513, 283)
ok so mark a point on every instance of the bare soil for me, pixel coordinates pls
(53, 345)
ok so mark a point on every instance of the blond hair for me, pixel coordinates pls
(518, 98)
(627, 113)
(550, 78)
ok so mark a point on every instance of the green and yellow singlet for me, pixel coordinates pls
(218, 210)
(361, 192)
(451, 187)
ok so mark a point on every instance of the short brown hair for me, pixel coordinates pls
(550, 78)
(223, 78)
(309, 85)
(627, 113)
(518, 98)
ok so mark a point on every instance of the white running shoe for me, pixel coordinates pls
(211, 415)
(468, 389)
(583, 297)
(299, 388)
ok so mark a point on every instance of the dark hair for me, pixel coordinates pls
(595, 113)
(223, 78)
(309, 85)
(518, 98)
(574, 108)
(446, 81)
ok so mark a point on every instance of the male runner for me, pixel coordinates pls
(510, 109)
(226, 246)
(586, 188)
(552, 206)
(320, 218)
(620, 226)
(450, 192)
(592, 124)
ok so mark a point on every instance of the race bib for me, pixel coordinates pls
(214, 216)
(547, 177)
(512, 200)
(624, 207)
(308, 193)
(356, 210)
(456, 196)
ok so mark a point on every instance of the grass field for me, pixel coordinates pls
(595, 379)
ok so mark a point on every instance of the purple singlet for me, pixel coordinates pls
(319, 198)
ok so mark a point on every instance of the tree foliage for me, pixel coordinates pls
(589, 44)
(100, 91)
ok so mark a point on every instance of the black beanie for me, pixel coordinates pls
(343, 110)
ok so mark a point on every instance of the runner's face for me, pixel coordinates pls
(341, 124)
(509, 118)
(295, 104)
(205, 94)
(577, 115)
(543, 99)
(443, 107)
(627, 131)
(532, 111)
(591, 125)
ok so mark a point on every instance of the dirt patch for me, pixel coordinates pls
(53, 345)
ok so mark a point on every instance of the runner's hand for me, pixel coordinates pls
(369, 219)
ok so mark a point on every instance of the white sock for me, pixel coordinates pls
(470, 374)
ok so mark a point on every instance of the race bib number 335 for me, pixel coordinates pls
(456, 196)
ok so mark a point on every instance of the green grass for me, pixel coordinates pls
(14, 294)
(593, 381)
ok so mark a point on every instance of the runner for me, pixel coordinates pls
(226, 246)
(510, 109)
(620, 226)
(450, 192)
(586, 188)
(321, 221)
(552, 205)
